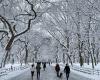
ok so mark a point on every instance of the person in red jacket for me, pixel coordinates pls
(57, 69)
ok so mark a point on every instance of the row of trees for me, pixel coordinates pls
(75, 25)
(16, 18)
(72, 24)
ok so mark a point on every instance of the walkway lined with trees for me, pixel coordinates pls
(65, 31)
(49, 74)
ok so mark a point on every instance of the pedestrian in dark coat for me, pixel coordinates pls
(49, 63)
(38, 68)
(44, 65)
(57, 69)
(67, 71)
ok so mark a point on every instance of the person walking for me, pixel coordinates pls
(32, 70)
(38, 68)
(67, 71)
(49, 63)
(44, 65)
(57, 69)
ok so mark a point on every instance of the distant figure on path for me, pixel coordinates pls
(49, 63)
(38, 68)
(67, 71)
(32, 70)
(44, 65)
(11, 67)
(57, 69)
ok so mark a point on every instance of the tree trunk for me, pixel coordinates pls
(88, 58)
(63, 58)
(81, 61)
(5, 59)
(26, 56)
(92, 60)
(8, 47)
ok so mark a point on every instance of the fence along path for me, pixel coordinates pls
(5, 71)
(86, 70)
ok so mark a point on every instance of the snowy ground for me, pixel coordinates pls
(88, 66)
(49, 74)
(90, 76)
(13, 74)
(94, 77)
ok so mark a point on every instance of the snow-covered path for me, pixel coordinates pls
(49, 74)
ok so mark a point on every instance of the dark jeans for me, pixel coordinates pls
(38, 74)
(67, 75)
(32, 74)
(57, 73)
(44, 69)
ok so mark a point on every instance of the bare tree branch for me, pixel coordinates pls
(3, 31)
(9, 25)
(3, 35)
(32, 8)
(29, 25)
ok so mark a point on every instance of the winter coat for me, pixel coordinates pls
(67, 69)
(44, 65)
(32, 68)
(38, 68)
(57, 68)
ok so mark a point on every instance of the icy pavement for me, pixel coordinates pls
(49, 74)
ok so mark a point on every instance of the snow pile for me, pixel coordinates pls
(97, 66)
(14, 65)
(88, 66)
(91, 76)
(14, 73)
